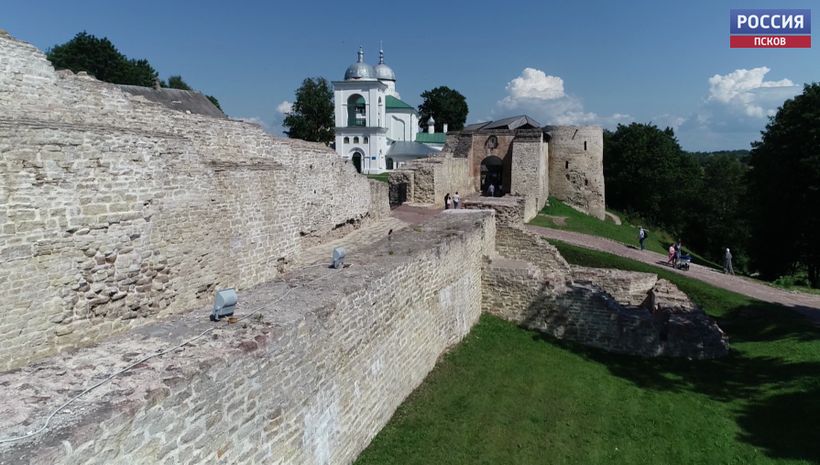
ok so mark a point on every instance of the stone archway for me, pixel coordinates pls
(492, 172)
(357, 161)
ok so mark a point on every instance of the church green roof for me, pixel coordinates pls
(435, 138)
(393, 102)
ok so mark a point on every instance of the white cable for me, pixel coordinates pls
(145, 359)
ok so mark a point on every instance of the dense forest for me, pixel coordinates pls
(763, 203)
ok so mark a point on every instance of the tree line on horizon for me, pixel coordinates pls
(101, 59)
(763, 204)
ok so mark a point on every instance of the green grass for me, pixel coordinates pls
(510, 396)
(625, 233)
(379, 177)
(799, 281)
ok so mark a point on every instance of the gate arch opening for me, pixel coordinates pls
(492, 173)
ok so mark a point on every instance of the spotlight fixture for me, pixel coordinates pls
(224, 303)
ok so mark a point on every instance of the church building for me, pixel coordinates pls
(374, 127)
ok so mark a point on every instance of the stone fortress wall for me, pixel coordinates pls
(576, 175)
(529, 171)
(117, 211)
(114, 208)
(311, 380)
(561, 161)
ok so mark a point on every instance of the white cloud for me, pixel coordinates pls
(735, 109)
(533, 84)
(543, 97)
(285, 107)
(746, 91)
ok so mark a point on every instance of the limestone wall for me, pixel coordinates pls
(114, 208)
(670, 325)
(576, 170)
(310, 380)
(529, 171)
(427, 181)
(531, 284)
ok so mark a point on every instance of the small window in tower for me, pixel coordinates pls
(347, 140)
(585, 145)
(356, 140)
(566, 165)
(365, 139)
(586, 182)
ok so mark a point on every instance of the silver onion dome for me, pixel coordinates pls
(360, 69)
(384, 72)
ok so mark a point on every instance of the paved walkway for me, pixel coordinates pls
(356, 240)
(806, 304)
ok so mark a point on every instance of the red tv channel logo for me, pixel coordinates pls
(764, 28)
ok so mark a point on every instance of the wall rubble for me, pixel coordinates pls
(530, 284)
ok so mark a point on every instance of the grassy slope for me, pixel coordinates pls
(379, 177)
(658, 240)
(506, 395)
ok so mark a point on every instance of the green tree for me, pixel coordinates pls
(100, 58)
(785, 189)
(717, 217)
(311, 117)
(445, 105)
(214, 101)
(647, 173)
(176, 82)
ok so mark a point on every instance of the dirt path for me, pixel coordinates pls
(806, 304)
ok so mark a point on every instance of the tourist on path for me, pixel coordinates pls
(678, 251)
(727, 263)
(670, 259)
(641, 236)
(448, 204)
(491, 190)
(456, 200)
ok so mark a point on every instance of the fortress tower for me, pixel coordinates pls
(576, 175)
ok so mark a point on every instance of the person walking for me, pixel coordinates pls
(727, 262)
(641, 235)
(456, 201)
(670, 259)
(491, 190)
(678, 250)
(448, 203)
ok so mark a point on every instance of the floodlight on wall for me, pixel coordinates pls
(337, 258)
(224, 303)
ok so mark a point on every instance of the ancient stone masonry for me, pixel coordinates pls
(319, 365)
(619, 311)
(114, 208)
(518, 158)
(427, 181)
(576, 174)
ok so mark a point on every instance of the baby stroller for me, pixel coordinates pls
(683, 262)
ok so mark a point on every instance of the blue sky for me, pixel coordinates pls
(560, 62)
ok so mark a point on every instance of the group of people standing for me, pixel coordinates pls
(674, 254)
(676, 249)
(452, 202)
